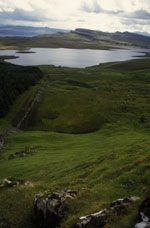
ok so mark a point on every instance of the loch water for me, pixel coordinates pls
(78, 58)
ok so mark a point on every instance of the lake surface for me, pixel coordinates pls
(78, 58)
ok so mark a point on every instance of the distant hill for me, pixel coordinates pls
(79, 38)
(143, 33)
(117, 38)
(27, 31)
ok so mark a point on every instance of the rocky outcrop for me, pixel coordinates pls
(144, 214)
(27, 151)
(93, 220)
(118, 206)
(13, 182)
(99, 219)
(125, 200)
(50, 207)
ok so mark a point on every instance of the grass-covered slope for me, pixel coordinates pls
(83, 101)
(14, 80)
(112, 102)
(101, 166)
(80, 39)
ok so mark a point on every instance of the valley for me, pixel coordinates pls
(88, 131)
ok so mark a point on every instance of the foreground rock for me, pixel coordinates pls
(50, 207)
(98, 219)
(93, 220)
(144, 214)
(13, 182)
(27, 151)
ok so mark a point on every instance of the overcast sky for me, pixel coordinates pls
(105, 15)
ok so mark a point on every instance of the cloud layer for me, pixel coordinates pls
(106, 15)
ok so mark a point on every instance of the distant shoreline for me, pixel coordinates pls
(146, 55)
(4, 57)
(25, 52)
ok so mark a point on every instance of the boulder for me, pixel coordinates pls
(125, 200)
(144, 214)
(94, 220)
(117, 207)
(14, 182)
(145, 207)
(27, 151)
(142, 225)
(119, 210)
(50, 207)
(7, 183)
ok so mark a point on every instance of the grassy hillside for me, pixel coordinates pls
(110, 105)
(80, 39)
(83, 101)
(14, 80)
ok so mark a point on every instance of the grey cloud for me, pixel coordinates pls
(133, 3)
(140, 14)
(129, 21)
(118, 12)
(80, 20)
(96, 8)
(22, 15)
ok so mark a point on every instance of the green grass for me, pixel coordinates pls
(4, 125)
(82, 101)
(109, 160)
(102, 166)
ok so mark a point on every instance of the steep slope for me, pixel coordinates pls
(14, 80)
(109, 163)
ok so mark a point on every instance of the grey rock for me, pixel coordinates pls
(145, 207)
(93, 220)
(144, 214)
(142, 225)
(50, 207)
(6, 183)
(125, 200)
(99, 219)
(13, 182)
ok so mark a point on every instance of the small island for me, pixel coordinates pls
(25, 52)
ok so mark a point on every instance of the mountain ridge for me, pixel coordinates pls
(77, 39)
(28, 31)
